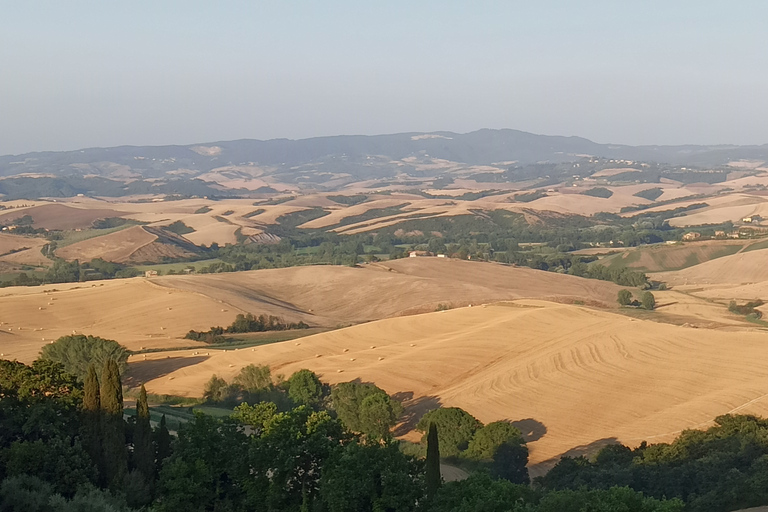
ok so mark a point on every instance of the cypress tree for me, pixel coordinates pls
(92, 416)
(114, 453)
(433, 462)
(143, 451)
(163, 442)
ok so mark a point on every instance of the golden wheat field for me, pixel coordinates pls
(573, 378)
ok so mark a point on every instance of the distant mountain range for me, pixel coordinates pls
(328, 162)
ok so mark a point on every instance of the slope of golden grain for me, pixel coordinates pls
(737, 269)
(157, 312)
(572, 377)
(59, 216)
(134, 312)
(333, 295)
(137, 244)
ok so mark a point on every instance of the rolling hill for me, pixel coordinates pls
(573, 378)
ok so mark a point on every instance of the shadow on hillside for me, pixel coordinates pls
(142, 372)
(659, 306)
(413, 410)
(585, 450)
(531, 429)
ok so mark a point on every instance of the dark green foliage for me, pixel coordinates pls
(114, 454)
(162, 442)
(648, 301)
(480, 492)
(433, 475)
(243, 324)
(348, 200)
(111, 222)
(489, 438)
(650, 194)
(371, 478)
(77, 352)
(91, 431)
(31, 494)
(60, 461)
(365, 408)
(530, 196)
(179, 228)
(217, 390)
(625, 297)
(601, 192)
(63, 271)
(304, 388)
(610, 500)
(203, 209)
(720, 469)
(510, 462)
(143, 449)
(455, 427)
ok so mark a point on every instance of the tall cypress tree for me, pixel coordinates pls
(433, 461)
(114, 453)
(143, 451)
(163, 442)
(92, 416)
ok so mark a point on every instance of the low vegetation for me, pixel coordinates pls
(650, 194)
(601, 192)
(179, 228)
(244, 324)
(748, 309)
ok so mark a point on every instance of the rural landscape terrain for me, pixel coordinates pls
(606, 301)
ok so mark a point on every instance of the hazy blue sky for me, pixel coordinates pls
(79, 74)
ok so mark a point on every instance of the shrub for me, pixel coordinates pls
(648, 301)
(625, 297)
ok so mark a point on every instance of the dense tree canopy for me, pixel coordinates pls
(77, 351)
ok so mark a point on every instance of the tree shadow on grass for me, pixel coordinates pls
(413, 410)
(141, 372)
(531, 429)
(584, 450)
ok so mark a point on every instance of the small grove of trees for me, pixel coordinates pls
(243, 324)
(366, 408)
(462, 435)
(747, 309)
(647, 300)
(255, 384)
(78, 351)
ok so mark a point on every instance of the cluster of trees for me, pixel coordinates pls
(647, 300)
(747, 309)
(720, 469)
(77, 352)
(462, 436)
(65, 445)
(63, 271)
(243, 324)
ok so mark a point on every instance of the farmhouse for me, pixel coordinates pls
(418, 254)
(693, 235)
(150, 273)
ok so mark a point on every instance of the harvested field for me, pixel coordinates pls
(333, 295)
(737, 269)
(60, 216)
(135, 312)
(132, 311)
(663, 257)
(573, 377)
(133, 245)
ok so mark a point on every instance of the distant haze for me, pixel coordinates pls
(86, 74)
